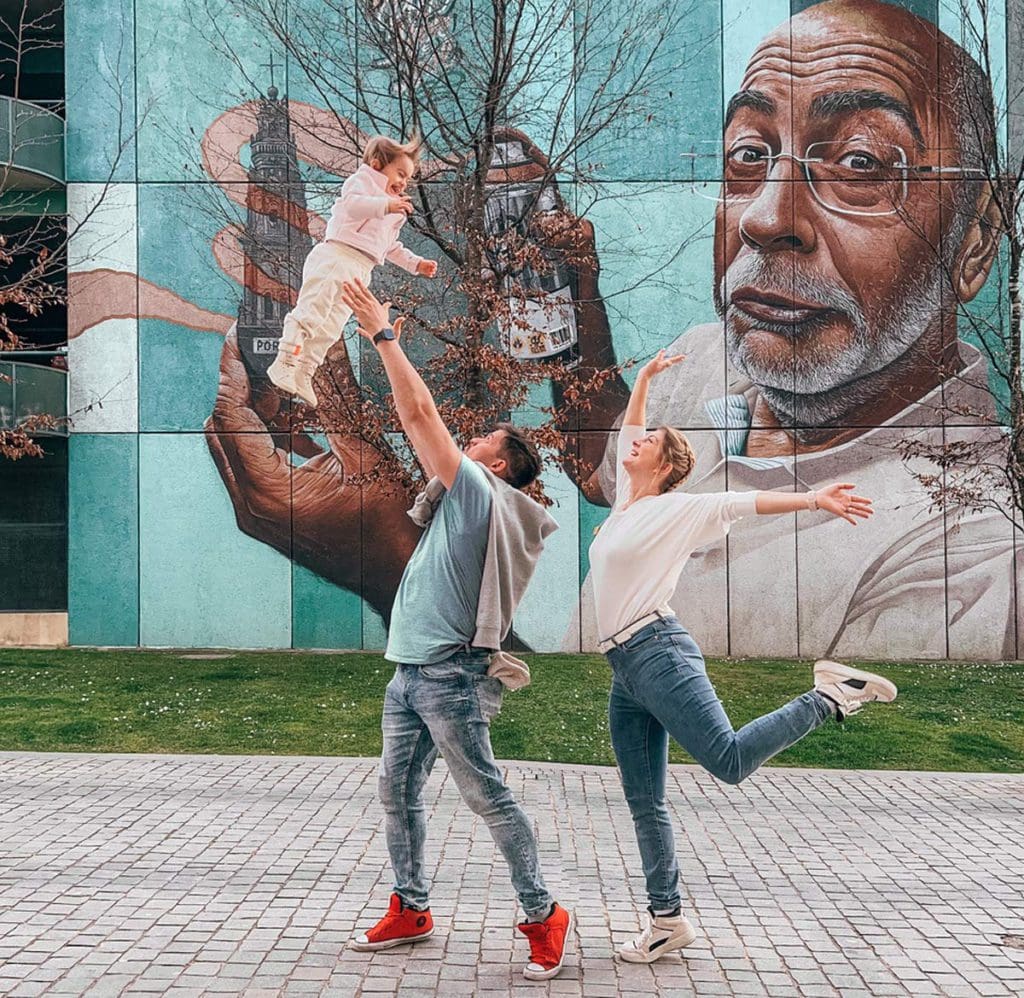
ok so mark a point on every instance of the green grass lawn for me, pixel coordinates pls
(950, 716)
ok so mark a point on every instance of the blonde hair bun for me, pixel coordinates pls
(676, 452)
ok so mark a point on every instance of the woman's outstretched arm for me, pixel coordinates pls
(835, 499)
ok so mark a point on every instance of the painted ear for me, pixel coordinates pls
(981, 243)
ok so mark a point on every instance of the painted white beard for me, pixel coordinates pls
(821, 392)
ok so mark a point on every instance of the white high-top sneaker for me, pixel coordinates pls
(293, 377)
(849, 689)
(664, 934)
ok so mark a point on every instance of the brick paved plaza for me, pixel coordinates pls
(190, 875)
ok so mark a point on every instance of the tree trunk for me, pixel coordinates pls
(478, 316)
(1016, 450)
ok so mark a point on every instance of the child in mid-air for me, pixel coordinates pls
(362, 233)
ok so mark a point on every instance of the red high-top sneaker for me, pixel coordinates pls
(547, 944)
(399, 925)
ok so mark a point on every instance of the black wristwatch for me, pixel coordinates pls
(387, 333)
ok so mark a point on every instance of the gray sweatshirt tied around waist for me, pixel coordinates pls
(516, 534)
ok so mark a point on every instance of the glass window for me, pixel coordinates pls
(34, 530)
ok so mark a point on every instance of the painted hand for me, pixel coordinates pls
(572, 238)
(356, 536)
(426, 268)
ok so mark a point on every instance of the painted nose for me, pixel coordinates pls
(778, 218)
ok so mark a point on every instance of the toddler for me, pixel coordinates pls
(362, 233)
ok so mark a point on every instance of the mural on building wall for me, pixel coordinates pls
(810, 302)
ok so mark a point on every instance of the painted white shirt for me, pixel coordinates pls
(640, 550)
(905, 584)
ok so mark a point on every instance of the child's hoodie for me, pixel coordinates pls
(360, 219)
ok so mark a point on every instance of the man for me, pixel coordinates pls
(841, 259)
(454, 605)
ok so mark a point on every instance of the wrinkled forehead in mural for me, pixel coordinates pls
(850, 206)
(846, 58)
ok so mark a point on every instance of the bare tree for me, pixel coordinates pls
(513, 100)
(34, 253)
(977, 466)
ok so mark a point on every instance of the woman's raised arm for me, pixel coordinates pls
(636, 411)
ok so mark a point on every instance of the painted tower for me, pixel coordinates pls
(276, 241)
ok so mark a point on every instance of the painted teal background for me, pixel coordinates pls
(99, 77)
(202, 582)
(185, 82)
(175, 391)
(156, 555)
(324, 615)
(103, 539)
(685, 94)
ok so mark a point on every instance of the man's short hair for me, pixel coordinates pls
(521, 457)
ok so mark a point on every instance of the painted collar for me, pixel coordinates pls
(731, 416)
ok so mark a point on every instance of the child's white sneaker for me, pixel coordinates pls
(293, 377)
(664, 934)
(849, 689)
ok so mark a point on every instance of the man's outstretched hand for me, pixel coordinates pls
(371, 314)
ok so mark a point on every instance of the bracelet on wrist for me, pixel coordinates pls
(812, 500)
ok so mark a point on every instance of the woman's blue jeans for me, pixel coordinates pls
(659, 688)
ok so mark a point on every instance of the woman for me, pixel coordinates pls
(659, 684)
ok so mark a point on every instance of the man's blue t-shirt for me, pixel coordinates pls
(435, 608)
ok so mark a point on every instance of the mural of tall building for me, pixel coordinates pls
(273, 244)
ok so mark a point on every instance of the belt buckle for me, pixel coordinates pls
(630, 629)
(615, 642)
(648, 619)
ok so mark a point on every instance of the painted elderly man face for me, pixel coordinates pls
(821, 285)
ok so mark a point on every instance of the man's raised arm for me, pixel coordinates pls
(418, 414)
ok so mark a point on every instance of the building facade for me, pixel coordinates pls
(204, 154)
